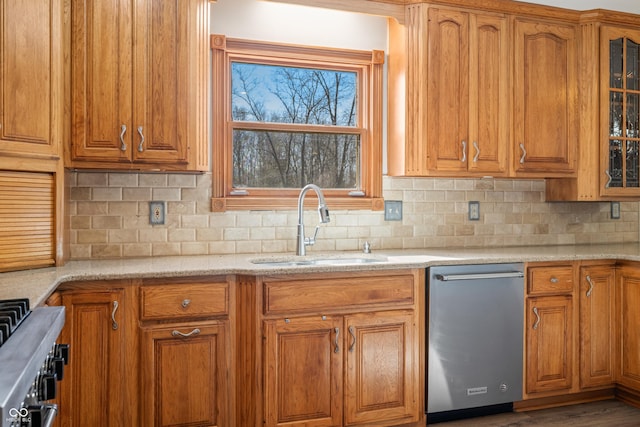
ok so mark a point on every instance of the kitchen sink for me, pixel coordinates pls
(292, 262)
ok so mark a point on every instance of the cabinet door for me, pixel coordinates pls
(549, 344)
(448, 90)
(620, 111)
(93, 388)
(628, 301)
(303, 363)
(170, 81)
(31, 76)
(488, 95)
(185, 372)
(545, 99)
(101, 43)
(381, 381)
(597, 325)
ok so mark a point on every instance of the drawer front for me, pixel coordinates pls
(184, 300)
(550, 279)
(338, 294)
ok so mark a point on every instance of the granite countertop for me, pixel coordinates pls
(38, 284)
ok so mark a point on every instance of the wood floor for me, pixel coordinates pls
(610, 413)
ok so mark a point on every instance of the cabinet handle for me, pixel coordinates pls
(114, 324)
(554, 280)
(477, 155)
(336, 349)
(610, 178)
(464, 151)
(176, 333)
(123, 145)
(535, 311)
(185, 303)
(353, 335)
(524, 154)
(590, 282)
(140, 149)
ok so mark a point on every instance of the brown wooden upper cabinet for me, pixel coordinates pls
(545, 121)
(31, 104)
(467, 94)
(139, 85)
(483, 93)
(620, 111)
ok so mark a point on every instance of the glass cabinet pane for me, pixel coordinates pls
(615, 163)
(633, 82)
(615, 114)
(632, 164)
(616, 63)
(633, 106)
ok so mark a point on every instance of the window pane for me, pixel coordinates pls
(277, 94)
(291, 160)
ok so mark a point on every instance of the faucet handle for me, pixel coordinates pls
(366, 248)
(310, 241)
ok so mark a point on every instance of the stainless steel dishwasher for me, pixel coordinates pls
(475, 339)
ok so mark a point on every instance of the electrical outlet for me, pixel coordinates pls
(474, 211)
(156, 213)
(393, 210)
(615, 210)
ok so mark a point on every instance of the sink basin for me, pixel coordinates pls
(279, 262)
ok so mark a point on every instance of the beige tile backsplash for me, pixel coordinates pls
(110, 218)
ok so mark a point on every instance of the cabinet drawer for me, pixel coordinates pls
(337, 294)
(544, 280)
(184, 300)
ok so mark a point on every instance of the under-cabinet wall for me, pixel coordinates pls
(110, 218)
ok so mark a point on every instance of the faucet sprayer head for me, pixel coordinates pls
(324, 213)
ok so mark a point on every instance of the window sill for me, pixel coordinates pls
(249, 203)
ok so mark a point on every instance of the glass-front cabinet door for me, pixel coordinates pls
(620, 116)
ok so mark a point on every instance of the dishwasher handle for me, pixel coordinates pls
(478, 276)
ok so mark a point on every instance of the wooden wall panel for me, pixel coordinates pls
(27, 220)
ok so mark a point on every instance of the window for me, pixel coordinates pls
(285, 116)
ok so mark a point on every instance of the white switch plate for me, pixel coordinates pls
(474, 211)
(615, 210)
(156, 213)
(393, 210)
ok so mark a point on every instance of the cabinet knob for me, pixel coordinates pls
(185, 303)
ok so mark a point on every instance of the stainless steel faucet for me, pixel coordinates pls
(301, 241)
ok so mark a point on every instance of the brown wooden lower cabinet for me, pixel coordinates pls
(333, 355)
(148, 353)
(570, 332)
(94, 387)
(628, 308)
(184, 374)
(309, 359)
(549, 354)
(598, 328)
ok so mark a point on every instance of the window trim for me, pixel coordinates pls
(370, 63)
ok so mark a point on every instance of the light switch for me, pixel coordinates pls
(393, 210)
(474, 211)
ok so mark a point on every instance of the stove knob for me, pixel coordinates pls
(57, 365)
(41, 415)
(47, 387)
(62, 350)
